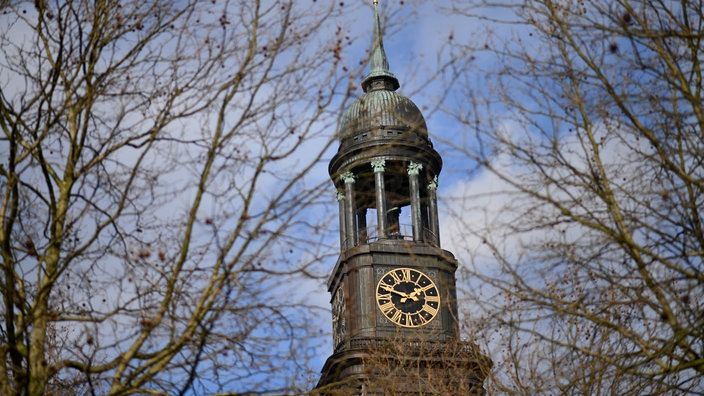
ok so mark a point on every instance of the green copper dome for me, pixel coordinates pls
(380, 112)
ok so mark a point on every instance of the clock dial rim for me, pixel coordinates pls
(411, 288)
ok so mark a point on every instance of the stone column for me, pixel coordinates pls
(378, 166)
(341, 206)
(433, 210)
(350, 223)
(416, 220)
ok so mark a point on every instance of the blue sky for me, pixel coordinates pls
(416, 44)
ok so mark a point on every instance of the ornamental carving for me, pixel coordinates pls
(347, 177)
(414, 168)
(378, 165)
(433, 184)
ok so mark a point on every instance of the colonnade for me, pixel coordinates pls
(424, 209)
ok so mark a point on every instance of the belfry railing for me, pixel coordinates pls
(397, 232)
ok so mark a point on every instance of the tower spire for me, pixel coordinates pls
(394, 297)
(378, 63)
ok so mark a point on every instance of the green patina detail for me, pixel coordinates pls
(347, 177)
(433, 184)
(378, 165)
(414, 168)
(378, 63)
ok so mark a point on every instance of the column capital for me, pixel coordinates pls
(339, 195)
(347, 177)
(378, 165)
(414, 168)
(433, 184)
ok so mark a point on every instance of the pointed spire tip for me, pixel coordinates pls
(378, 64)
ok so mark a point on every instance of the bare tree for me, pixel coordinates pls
(412, 366)
(153, 176)
(587, 273)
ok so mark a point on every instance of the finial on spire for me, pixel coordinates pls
(378, 64)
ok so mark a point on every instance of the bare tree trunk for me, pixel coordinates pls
(157, 179)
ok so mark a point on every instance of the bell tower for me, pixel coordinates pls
(394, 305)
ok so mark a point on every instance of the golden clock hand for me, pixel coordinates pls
(414, 293)
(412, 296)
(392, 290)
(417, 291)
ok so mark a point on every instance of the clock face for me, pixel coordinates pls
(407, 297)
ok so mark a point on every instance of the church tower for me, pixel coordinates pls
(394, 305)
